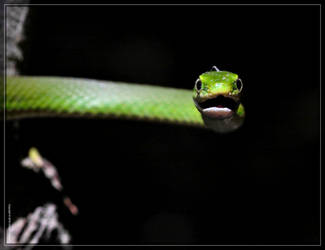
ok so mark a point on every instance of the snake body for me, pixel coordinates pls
(73, 97)
(57, 96)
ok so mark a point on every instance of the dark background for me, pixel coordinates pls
(147, 183)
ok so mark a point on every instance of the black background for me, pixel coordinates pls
(147, 183)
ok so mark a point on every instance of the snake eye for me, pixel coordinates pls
(198, 84)
(239, 84)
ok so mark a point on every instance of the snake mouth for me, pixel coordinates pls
(219, 107)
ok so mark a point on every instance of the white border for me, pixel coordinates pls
(162, 245)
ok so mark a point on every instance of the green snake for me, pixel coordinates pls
(216, 97)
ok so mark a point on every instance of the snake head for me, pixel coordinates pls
(216, 94)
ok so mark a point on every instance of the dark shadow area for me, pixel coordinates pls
(146, 183)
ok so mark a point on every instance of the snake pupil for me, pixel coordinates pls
(239, 84)
(198, 84)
